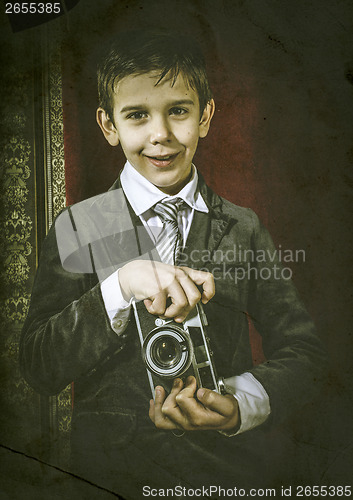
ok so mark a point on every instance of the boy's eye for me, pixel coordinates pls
(178, 111)
(137, 115)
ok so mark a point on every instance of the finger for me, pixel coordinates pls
(176, 388)
(156, 304)
(151, 412)
(159, 397)
(180, 310)
(206, 280)
(170, 407)
(158, 412)
(189, 389)
(174, 417)
(179, 307)
(185, 398)
(224, 405)
(191, 291)
(195, 415)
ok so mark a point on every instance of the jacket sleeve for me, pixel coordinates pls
(67, 331)
(296, 360)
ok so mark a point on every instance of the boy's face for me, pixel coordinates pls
(158, 127)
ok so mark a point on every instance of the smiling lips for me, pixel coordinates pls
(162, 160)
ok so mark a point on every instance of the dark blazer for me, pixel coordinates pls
(67, 335)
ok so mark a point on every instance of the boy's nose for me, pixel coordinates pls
(160, 131)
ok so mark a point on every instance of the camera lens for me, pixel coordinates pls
(166, 352)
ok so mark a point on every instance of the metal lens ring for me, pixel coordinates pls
(168, 351)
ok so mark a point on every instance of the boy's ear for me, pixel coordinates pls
(206, 118)
(107, 127)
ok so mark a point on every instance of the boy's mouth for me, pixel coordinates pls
(162, 160)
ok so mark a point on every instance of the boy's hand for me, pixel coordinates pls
(180, 410)
(155, 282)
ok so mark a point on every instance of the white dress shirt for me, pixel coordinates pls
(254, 406)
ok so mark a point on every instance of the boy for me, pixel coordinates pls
(126, 245)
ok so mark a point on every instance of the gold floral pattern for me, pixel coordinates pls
(20, 404)
(29, 138)
(60, 406)
(17, 225)
(55, 133)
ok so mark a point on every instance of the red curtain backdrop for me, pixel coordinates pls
(225, 157)
(280, 139)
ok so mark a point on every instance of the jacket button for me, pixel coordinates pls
(118, 323)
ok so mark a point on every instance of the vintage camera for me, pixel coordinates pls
(171, 349)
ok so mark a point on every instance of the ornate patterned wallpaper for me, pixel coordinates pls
(53, 136)
(20, 405)
(32, 194)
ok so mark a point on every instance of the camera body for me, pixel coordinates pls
(170, 350)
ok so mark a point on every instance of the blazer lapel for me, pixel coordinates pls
(207, 229)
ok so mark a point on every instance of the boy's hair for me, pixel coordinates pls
(139, 52)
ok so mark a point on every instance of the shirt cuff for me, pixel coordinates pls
(117, 308)
(253, 401)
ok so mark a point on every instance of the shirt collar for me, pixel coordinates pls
(143, 195)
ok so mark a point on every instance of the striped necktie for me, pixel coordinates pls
(169, 241)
